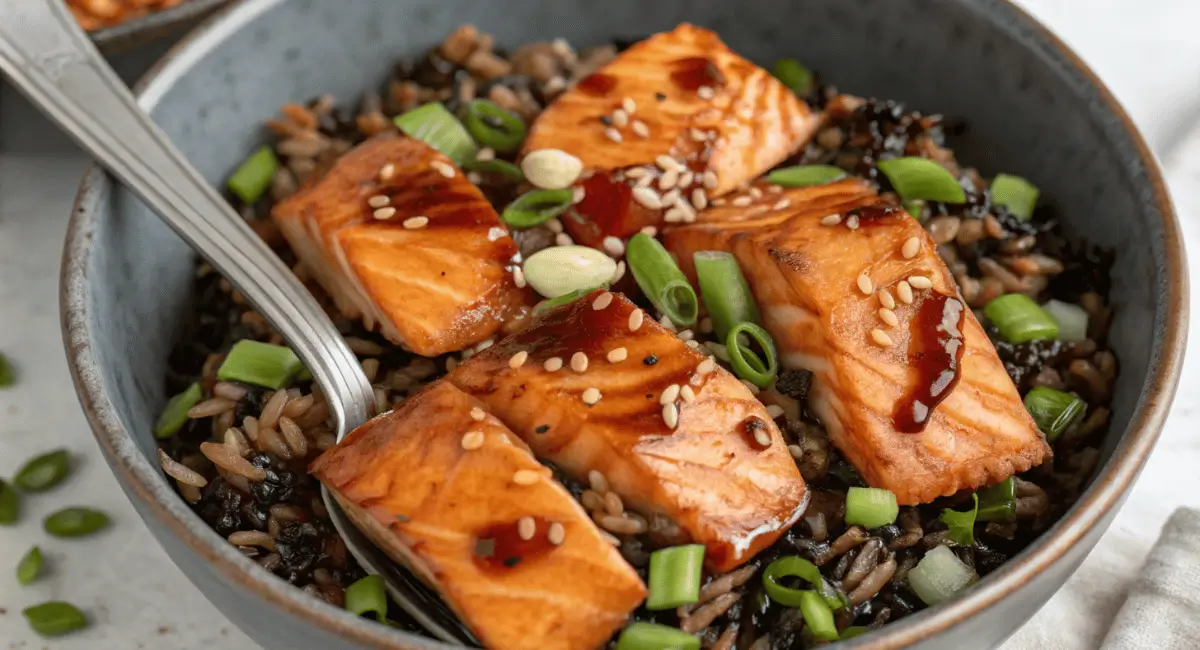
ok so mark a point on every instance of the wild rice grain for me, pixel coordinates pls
(225, 458)
(211, 407)
(180, 472)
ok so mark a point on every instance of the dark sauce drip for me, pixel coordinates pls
(752, 428)
(607, 208)
(935, 351)
(695, 72)
(870, 215)
(597, 83)
(499, 547)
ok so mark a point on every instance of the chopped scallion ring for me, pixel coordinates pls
(746, 363)
(939, 575)
(254, 175)
(920, 178)
(1072, 320)
(871, 507)
(536, 207)
(661, 280)
(1019, 318)
(1015, 193)
(652, 636)
(438, 128)
(806, 175)
(366, 596)
(818, 617)
(962, 524)
(725, 292)
(1054, 411)
(998, 502)
(174, 415)
(560, 270)
(260, 364)
(794, 566)
(795, 76)
(493, 166)
(675, 576)
(494, 127)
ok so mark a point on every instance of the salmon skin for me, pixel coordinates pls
(454, 498)
(924, 410)
(722, 474)
(681, 95)
(432, 285)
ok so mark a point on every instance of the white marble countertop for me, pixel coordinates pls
(138, 599)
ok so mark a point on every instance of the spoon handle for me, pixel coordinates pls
(49, 58)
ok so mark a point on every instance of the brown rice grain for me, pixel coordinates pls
(252, 538)
(229, 390)
(294, 437)
(211, 407)
(180, 472)
(592, 500)
(705, 615)
(297, 407)
(621, 525)
(874, 582)
(226, 459)
(613, 504)
(270, 441)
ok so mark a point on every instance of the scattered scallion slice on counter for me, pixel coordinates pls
(43, 472)
(1053, 410)
(794, 566)
(75, 522)
(962, 524)
(55, 618)
(675, 574)
(747, 364)
(174, 415)
(536, 208)
(559, 270)
(30, 566)
(494, 127)
(818, 617)
(10, 504)
(8, 376)
(1019, 318)
(366, 596)
(567, 298)
(920, 178)
(652, 636)
(998, 502)
(795, 76)
(939, 575)
(726, 294)
(1072, 320)
(494, 166)
(438, 128)
(661, 280)
(254, 175)
(806, 175)
(260, 364)
(871, 507)
(1015, 193)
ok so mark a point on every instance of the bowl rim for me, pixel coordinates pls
(145, 482)
(135, 31)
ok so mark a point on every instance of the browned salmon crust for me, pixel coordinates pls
(805, 276)
(454, 515)
(437, 284)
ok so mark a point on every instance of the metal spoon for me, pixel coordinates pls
(49, 58)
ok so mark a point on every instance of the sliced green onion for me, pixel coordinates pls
(962, 524)
(871, 507)
(495, 166)
(254, 176)
(1019, 318)
(43, 472)
(30, 566)
(726, 294)
(998, 502)
(652, 636)
(8, 376)
(746, 363)
(793, 75)
(920, 178)
(818, 616)
(661, 280)
(260, 364)
(915, 208)
(10, 504)
(536, 208)
(174, 415)
(1053, 410)
(560, 270)
(54, 618)
(1072, 320)
(794, 566)
(1016, 194)
(853, 631)
(567, 298)
(494, 127)
(438, 128)
(366, 596)
(939, 575)
(675, 576)
(304, 374)
(75, 522)
(806, 175)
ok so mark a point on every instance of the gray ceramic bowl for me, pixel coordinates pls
(1032, 106)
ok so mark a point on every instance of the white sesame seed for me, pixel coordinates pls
(554, 225)
(486, 153)
(613, 134)
(620, 118)
(674, 215)
(852, 222)
(880, 338)
(761, 436)
(563, 239)
(710, 180)
(667, 163)
(670, 197)
(617, 355)
(705, 325)
(911, 247)
(706, 366)
(697, 134)
(742, 201)
(705, 92)
(517, 360)
(647, 198)
(686, 179)
(602, 301)
(635, 320)
(886, 299)
(477, 413)
(553, 364)
(689, 214)
(579, 362)
(636, 172)
(387, 172)
(796, 451)
(670, 415)
(378, 201)
(577, 194)
(442, 168)
(557, 534)
(696, 380)
(670, 394)
(699, 198)
(904, 292)
(669, 179)
(619, 272)
(782, 204)
(485, 344)
(629, 105)
(383, 214)
(649, 231)
(475, 177)
(831, 220)
(640, 129)
(774, 411)
(472, 440)
(686, 335)
(591, 396)
(754, 390)
(693, 344)
(519, 277)
(416, 223)
(665, 321)
(774, 189)
(888, 317)
(920, 282)
(614, 246)
(645, 181)
(864, 284)
(526, 528)
(755, 193)
(525, 477)
(687, 394)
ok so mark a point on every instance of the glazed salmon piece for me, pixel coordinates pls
(435, 275)
(454, 498)
(695, 101)
(711, 460)
(876, 387)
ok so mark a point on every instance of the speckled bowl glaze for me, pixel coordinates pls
(1032, 107)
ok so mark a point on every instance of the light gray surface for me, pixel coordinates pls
(132, 589)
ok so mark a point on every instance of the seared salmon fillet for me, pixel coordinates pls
(584, 387)
(680, 96)
(921, 406)
(431, 265)
(449, 491)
